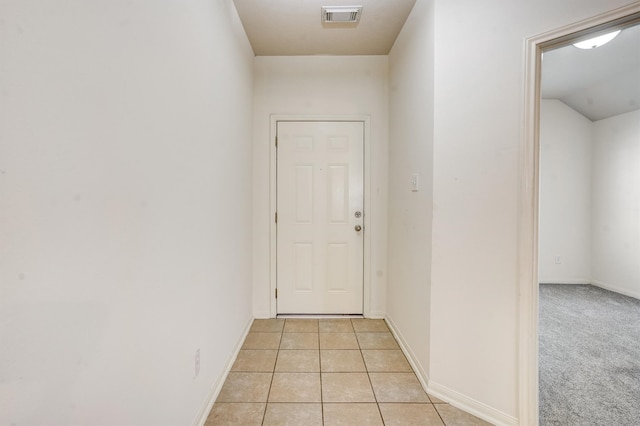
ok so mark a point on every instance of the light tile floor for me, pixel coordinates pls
(327, 372)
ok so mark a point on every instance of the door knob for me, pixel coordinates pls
(358, 228)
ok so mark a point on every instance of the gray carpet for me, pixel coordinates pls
(589, 356)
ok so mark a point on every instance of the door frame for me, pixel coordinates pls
(528, 298)
(366, 121)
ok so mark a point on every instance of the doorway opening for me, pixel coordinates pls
(530, 220)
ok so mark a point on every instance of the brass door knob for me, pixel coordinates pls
(358, 228)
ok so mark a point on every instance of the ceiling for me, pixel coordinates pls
(294, 27)
(598, 83)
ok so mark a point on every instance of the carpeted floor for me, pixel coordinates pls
(589, 356)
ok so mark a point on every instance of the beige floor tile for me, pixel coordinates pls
(397, 387)
(453, 416)
(297, 325)
(295, 387)
(341, 361)
(267, 326)
(298, 361)
(299, 341)
(262, 341)
(245, 387)
(385, 360)
(410, 415)
(346, 387)
(369, 325)
(293, 414)
(255, 360)
(233, 414)
(338, 341)
(377, 341)
(435, 400)
(335, 326)
(351, 414)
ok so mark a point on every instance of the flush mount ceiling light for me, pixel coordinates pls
(592, 43)
(341, 14)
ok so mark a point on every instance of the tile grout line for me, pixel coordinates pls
(430, 401)
(438, 413)
(320, 373)
(366, 368)
(360, 350)
(273, 373)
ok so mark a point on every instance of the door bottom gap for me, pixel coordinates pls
(319, 316)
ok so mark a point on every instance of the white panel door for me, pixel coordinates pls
(320, 227)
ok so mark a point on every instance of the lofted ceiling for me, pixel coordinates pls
(598, 83)
(294, 27)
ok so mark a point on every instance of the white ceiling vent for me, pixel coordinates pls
(341, 14)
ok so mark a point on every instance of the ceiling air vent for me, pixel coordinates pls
(341, 14)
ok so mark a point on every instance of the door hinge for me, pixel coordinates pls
(276, 141)
(276, 217)
(276, 293)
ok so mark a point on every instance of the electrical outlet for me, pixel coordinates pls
(197, 362)
(558, 260)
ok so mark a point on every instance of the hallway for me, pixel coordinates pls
(327, 371)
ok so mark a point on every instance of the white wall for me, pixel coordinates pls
(123, 248)
(320, 85)
(478, 134)
(589, 199)
(565, 194)
(616, 204)
(410, 213)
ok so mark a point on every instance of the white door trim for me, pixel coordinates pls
(368, 213)
(529, 193)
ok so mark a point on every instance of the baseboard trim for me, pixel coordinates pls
(568, 282)
(423, 377)
(450, 396)
(204, 411)
(471, 406)
(375, 315)
(262, 315)
(616, 289)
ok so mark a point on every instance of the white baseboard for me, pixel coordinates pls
(454, 398)
(262, 315)
(471, 406)
(375, 315)
(204, 411)
(578, 281)
(614, 288)
(423, 377)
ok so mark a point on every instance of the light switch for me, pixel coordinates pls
(414, 182)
